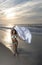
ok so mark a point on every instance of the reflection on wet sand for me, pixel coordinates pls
(30, 54)
(5, 38)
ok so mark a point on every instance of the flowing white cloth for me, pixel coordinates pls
(24, 33)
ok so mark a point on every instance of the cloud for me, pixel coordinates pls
(11, 3)
(26, 11)
(1, 1)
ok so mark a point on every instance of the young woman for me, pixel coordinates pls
(14, 40)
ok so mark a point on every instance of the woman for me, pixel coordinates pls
(14, 40)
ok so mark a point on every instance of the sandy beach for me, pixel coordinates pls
(29, 54)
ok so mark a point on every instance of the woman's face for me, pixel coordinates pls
(14, 32)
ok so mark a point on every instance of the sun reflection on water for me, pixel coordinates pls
(7, 38)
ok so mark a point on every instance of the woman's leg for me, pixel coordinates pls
(15, 48)
(16, 45)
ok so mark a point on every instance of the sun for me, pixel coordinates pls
(9, 13)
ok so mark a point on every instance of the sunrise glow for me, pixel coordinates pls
(9, 13)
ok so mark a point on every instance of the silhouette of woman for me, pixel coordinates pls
(14, 40)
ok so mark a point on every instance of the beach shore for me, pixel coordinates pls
(29, 54)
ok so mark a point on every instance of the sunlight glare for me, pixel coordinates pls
(7, 37)
(10, 14)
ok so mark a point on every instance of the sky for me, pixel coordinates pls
(21, 11)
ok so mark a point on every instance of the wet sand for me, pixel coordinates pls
(29, 54)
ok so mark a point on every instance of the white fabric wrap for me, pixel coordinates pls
(24, 33)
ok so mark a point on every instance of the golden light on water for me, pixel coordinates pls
(7, 37)
(8, 41)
